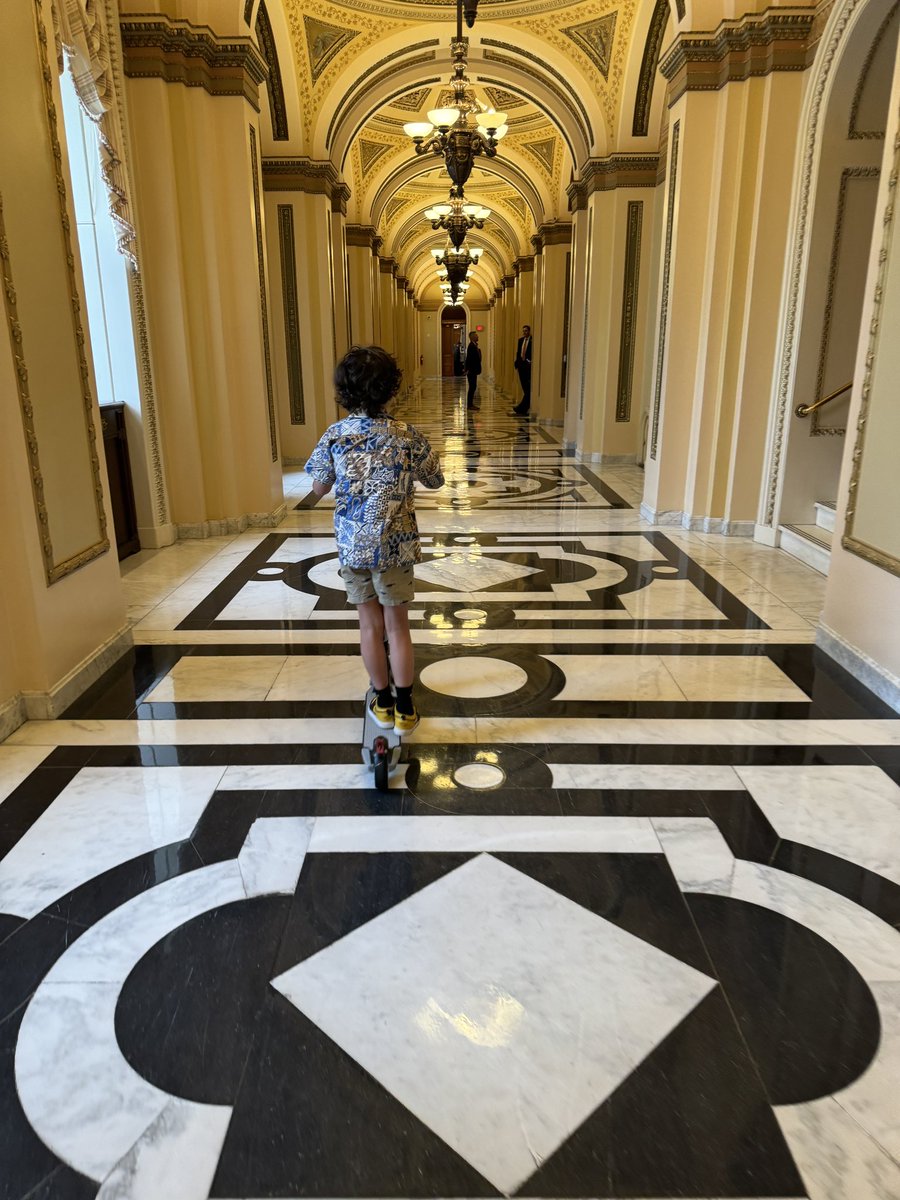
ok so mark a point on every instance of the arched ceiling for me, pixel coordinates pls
(566, 76)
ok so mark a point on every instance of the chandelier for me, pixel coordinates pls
(457, 218)
(458, 264)
(448, 131)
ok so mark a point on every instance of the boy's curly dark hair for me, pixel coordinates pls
(366, 379)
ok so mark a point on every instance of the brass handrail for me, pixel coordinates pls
(803, 410)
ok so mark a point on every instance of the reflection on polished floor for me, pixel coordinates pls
(627, 923)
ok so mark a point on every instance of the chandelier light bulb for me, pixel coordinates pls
(489, 120)
(443, 118)
(500, 133)
(443, 210)
(418, 130)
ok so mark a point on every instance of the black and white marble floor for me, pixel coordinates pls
(627, 923)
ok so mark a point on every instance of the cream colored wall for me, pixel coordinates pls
(360, 260)
(430, 340)
(580, 281)
(859, 621)
(552, 303)
(48, 631)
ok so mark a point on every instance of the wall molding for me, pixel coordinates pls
(161, 47)
(853, 132)
(608, 174)
(263, 297)
(643, 100)
(740, 48)
(228, 525)
(861, 666)
(274, 84)
(47, 706)
(290, 303)
(363, 236)
(683, 520)
(312, 176)
(630, 281)
(12, 715)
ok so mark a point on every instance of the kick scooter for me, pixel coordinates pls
(381, 748)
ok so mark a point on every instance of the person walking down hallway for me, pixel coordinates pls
(473, 368)
(523, 366)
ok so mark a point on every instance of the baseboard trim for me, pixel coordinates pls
(288, 460)
(861, 666)
(12, 715)
(46, 706)
(228, 525)
(684, 520)
(766, 535)
(660, 516)
(154, 537)
(611, 460)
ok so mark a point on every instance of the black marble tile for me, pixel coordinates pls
(116, 691)
(69, 756)
(743, 825)
(866, 888)
(33, 796)
(186, 1015)
(436, 765)
(634, 802)
(482, 802)
(698, 754)
(27, 954)
(637, 892)
(691, 1121)
(309, 1121)
(332, 802)
(152, 756)
(805, 1012)
(222, 829)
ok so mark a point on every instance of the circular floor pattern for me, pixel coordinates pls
(479, 775)
(474, 677)
(470, 614)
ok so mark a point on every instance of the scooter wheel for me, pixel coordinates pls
(381, 772)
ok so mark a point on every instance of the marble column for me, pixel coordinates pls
(553, 262)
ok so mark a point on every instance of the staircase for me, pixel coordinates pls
(812, 543)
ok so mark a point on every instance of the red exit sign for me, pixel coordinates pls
(479, 328)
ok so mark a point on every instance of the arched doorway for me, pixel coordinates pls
(453, 339)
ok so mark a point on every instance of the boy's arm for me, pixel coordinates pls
(427, 465)
(321, 467)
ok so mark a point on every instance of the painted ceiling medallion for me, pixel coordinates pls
(502, 100)
(544, 150)
(371, 152)
(595, 38)
(412, 101)
(324, 42)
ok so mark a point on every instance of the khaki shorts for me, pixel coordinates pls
(396, 585)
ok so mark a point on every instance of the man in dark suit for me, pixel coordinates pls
(523, 366)
(473, 367)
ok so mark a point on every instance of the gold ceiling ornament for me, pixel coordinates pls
(595, 38)
(544, 151)
(448, 131)
(323, 42)
(370, 152)
(412, 101)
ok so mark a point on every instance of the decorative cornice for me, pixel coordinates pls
(508, 281)
(362, 235)
(607, 174)
(537, 244)
(160, 47)
(386, 266)
(306, 175)
(755, 44)
(525, 263)
(556, 233)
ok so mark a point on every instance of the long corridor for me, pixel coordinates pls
(626, 924)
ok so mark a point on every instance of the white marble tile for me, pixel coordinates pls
(271, 858)
(105, 816)
(872, 1099)
(836, 1158)
(470, 573)
(676, 731)
(871, 945)
(321, 677)
(176, 1157)
(107, 951)
(671, 599)
(17, 763)
(615, 677)
(473, 676)
(850, 811)
(644, 776)
(219, 677)
(588, 835)
(698, 854)
(261, 601)
(81, 1097)
(731, 677)
(500, 1013)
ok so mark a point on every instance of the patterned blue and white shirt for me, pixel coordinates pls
(373, 464)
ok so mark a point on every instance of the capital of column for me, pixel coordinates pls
(387, 266)
(362, 235)
(524, 264)
(555, 233)
(161, 47)
(607, 174)
(755, 44)
(508, 281)
(318, 178)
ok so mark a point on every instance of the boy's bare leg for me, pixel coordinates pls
(371, 642)
(396, 619)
